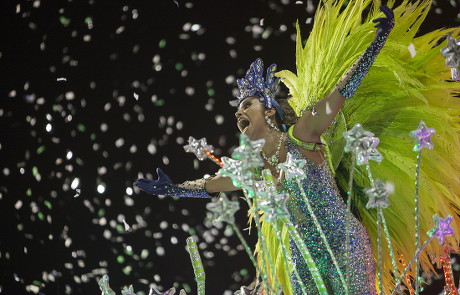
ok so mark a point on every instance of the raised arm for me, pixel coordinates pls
(310, 126)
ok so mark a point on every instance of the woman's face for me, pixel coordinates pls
(250, 118)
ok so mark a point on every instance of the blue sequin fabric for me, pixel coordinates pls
(330, 210)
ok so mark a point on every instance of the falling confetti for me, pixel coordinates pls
(130, 82)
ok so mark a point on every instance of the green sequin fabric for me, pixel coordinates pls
(330, 210)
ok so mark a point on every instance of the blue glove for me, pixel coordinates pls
(385, 24)
(155, 187)
(164, 186)
(350, 83)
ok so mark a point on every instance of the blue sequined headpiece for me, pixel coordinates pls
(254, 84)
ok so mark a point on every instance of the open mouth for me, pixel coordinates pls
(243, 124)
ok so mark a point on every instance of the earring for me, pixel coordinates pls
(270, 123)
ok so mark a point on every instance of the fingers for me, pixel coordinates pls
(143, 180)
(163, 178)
(378, 20)
(387, 11)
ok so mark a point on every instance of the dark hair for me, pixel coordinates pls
(290, 117)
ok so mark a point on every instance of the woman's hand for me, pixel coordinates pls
(385, 24)
(155, 187)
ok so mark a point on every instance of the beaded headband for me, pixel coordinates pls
(255, 84)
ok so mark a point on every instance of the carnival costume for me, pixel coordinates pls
(406, 83)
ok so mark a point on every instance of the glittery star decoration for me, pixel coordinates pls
(293, 168)
(249, 152)
(272, 203)
(234, 169)
(378, 194)
(452, 55)
(198, 147)
(423, 136)
(104, 286)
(223, 209)
(128, 290)
(442, 228)
(363, 144)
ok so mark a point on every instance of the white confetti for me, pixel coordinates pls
(78, 191)
(127, 227)
(136, 96)
(61, 79)
(411, 49)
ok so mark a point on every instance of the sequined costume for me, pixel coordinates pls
(330, 209)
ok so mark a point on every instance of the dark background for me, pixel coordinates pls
(95, 94)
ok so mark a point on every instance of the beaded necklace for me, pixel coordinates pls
(275, 158)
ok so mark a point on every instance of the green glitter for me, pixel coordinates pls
(179, 66)
(34, 171)
(144, 253)
(101, 212)
(93, 136)
(162, 43)
(120, 228)
(127, 270)
(128, 252)
(187, 288)
(41, 216)
(120, 259)
(41, 149)
(81, 127)
(211, 92)
(48, 204)
(159, 102)
(29, 192)
(64, 21)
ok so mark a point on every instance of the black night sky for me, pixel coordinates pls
(95, 94)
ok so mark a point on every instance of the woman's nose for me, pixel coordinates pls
(238, 113)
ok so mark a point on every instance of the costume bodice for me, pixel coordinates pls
(320, 191)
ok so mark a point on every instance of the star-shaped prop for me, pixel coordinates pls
(379, 194)
(293, 168)
(249, 152)
(128, 290)
(235, 169)
(223, 209)
(442, 228)
(104, 286)
(199, 147)
(363, 144)
(452, 55)
(423, 136)
(272, 203)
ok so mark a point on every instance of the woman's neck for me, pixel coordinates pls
(272, 141)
